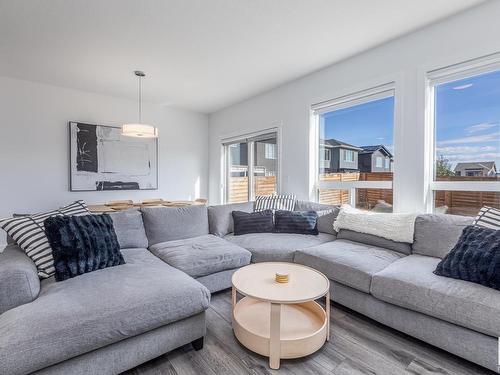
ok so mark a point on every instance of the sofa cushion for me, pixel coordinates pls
(326, 218)
(399, 227)
(488, 217)
(411, 283)
(370, 239)
(201, 256)
(129, 229)
(97, 309)
(277, 247)
(164, 224)
(349, 263)
(220, 219)
(298, 222)
(327, 213)
(28, 232)
(475, 257)
(436, 234)
(275, 202)
(313, 206)
(254, 222)
(82, 244)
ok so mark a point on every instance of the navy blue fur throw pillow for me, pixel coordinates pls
(475, 258)
(299, 222)
(82, 244)
(254, 222)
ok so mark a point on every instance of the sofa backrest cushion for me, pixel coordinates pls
(437, 234)
(129, 229)
(164, 224)
(326, 219)
(327, 213)
(370, 239)
(313, 206)
(220, 219)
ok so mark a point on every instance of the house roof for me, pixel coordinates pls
(336, 143)
(477, 165)
(372, 149)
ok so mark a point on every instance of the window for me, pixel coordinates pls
(270, 151)
(328, 155)
(387, 163)
(326, 158)
(251, 167)
(465, 117)
(354, 128)
(379, 162)
(349, 156)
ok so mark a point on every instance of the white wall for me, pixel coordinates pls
(34, 146)
(405, 60)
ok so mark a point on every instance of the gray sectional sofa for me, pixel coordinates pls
(110, 320)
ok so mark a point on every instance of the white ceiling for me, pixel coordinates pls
(198, 54)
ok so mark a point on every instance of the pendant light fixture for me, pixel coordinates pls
(139, 129)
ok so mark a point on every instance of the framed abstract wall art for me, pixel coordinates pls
(102, 159)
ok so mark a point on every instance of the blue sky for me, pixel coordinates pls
(467, 121)
(366, 124)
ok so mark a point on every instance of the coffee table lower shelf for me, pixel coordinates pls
(302, 330)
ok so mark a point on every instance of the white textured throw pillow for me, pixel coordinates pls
(395, 227)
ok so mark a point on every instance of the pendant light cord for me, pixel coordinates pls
(140, 100)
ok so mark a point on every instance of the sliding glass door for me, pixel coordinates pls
(251, 167)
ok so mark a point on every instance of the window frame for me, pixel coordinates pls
(329, 153)
(361, 97)
(270, 152)
(350, 153)
(468, 69)
(249, 139)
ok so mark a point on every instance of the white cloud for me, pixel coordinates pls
(473, 157)
(472, 139)
(481, 127)
(452, 150)
(463, 87)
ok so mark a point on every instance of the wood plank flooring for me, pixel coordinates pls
(358, 346)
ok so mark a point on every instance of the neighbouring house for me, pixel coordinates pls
(375, 158)
(265, 153)
(337, 156)
(476, 169)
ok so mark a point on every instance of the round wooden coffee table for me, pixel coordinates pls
(280, 320)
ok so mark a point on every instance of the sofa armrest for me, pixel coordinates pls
(19, 282)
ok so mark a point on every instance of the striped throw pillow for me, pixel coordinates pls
(488, 217)
(284, 202)
(29, 233)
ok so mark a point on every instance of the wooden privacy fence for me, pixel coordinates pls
(238, 187)
(365, 198)
(466, 202)
(456, 202)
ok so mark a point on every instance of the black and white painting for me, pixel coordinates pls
(102, 159)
